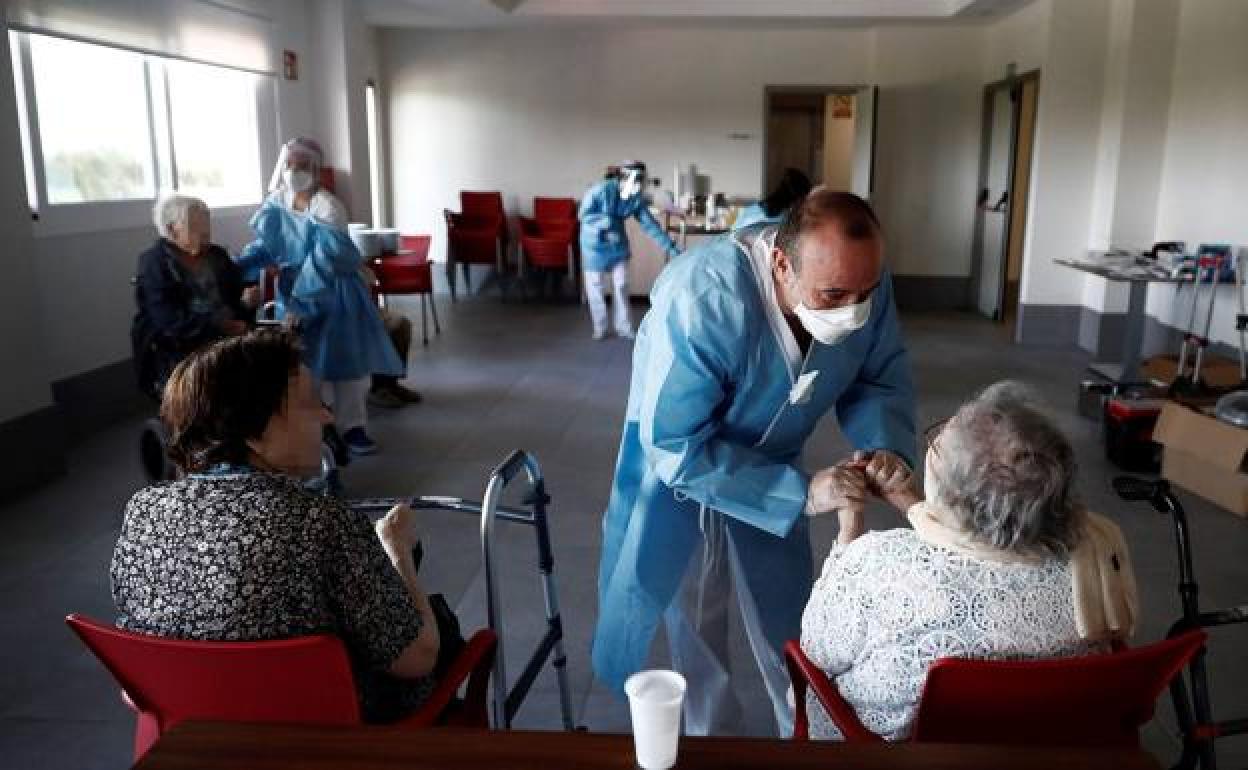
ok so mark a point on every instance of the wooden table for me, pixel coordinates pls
(191, 746)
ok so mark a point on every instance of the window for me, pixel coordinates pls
(94, 129)
(103, 125)
(374, 150)
(212, 117)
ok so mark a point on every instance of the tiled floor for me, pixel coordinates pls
(503, 376)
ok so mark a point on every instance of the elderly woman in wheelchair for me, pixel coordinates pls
(190, 293)
(1003, 563)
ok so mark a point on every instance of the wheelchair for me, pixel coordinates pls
(154, 460)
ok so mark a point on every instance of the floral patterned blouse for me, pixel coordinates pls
(237, 556)
(889, 604)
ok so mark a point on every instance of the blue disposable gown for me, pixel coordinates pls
(754, 214)
(710, 423)
(604, 243)
(319, 281)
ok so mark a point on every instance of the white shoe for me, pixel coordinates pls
(625, 334)
(600, 334)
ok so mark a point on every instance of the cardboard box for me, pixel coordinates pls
(1215, 371)
(1204, 455)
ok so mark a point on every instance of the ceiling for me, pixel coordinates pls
(506, 13)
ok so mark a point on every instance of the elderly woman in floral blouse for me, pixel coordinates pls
(1003, 562)
(238, 550)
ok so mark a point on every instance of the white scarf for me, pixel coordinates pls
(1103, 587)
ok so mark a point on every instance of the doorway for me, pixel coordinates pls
(826, 132)
(1001, 205)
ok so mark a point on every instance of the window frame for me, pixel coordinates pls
(58, 219)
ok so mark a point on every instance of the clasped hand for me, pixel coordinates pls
(846, 487)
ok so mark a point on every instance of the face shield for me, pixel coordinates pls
(298, 166)
(632, 181)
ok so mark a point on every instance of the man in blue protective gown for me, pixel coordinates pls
(750, 340)
(604, 243)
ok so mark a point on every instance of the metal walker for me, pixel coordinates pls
(507, 702)
(1194, 714)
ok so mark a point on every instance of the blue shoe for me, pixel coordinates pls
(358, 442)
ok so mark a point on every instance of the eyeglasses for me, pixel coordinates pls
(932, 432)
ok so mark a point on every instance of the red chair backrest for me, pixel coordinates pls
(469, 242)
(306, 680)
(554, 209)
(418, 245)
(1095, 700)
(546, 252)
(481, 204)
(485, 209)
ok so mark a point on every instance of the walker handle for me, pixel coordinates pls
(1140, 490)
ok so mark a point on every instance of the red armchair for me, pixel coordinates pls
(477, 235)
(409, 272)
(548, 246)
(1095, 700)
(304, 680)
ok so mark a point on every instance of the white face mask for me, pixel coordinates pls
(833, 325)
(298, 181)
(630, 184)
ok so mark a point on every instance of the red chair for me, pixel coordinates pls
(472, 241)
(548, 246)
(409, 272)
(554, 209)
(306, 680)
(1096, 700)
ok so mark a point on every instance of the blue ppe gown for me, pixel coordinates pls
(755, 214)
(712, 431)
(319, 281)
(603, 212)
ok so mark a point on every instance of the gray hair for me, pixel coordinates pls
(1007, 472)
(175, 209)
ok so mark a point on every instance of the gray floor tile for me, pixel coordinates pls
(502, 376)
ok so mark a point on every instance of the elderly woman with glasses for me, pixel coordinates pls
(1002, 562)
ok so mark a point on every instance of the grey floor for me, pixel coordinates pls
(502, 376)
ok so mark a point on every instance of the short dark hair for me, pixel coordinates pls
(819, 207)
(793, 186)
(225, 394)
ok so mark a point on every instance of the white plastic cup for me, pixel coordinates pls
(654, 701)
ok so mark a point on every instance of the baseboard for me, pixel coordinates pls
(32, 451)
(99, 398)
(1049, 326)
(930, 292)
(1076, 326)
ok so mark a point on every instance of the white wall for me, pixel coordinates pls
(1022, 38)
(463, 114)
(24, 386)
(1068, 129)
(927, 145)
(1204, 182)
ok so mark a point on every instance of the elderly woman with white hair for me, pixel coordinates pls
(1003, 563)
(187, 289)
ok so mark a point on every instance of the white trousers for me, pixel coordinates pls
(697, 624)
(349, 400)
(594, 282)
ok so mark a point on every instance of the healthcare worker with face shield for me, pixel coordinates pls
(750, 340)
(604, 244)
(301, 229)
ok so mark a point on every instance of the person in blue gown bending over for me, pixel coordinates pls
(750, 340)
(604, 243)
